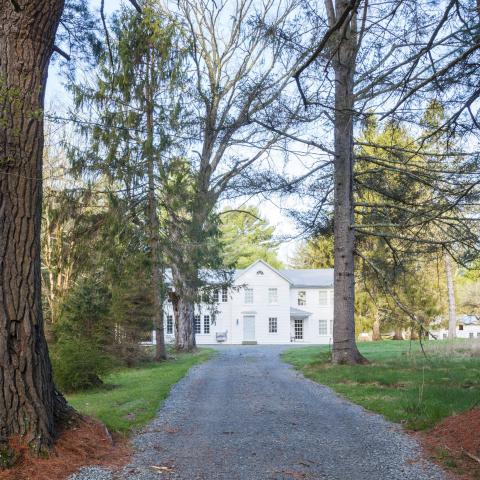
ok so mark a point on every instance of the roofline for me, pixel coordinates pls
(269, 266)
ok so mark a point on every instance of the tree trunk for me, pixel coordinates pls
(452, 314)
(157, 274)
(376, 335)
(344, 345)
(414, 333)
(29, 403)
(183, 308)
(398, 334)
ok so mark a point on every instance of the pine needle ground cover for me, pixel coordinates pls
(130, 397)
(401, 383)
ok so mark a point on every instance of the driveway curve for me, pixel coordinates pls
(246, 415)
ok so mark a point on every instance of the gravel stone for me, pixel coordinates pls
(246, 415)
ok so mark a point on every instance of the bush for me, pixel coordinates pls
(83, 336)
(78, 365)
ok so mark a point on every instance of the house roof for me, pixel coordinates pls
(296, 312)
(301, 278)
(315, 277)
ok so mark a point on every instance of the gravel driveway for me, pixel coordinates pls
(247, 415)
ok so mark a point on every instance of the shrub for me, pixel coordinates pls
(78, 364)
(83, 335)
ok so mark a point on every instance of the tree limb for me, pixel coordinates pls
(61, 52)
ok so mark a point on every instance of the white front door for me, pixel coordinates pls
(249, 328)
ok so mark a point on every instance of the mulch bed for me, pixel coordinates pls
(87, 443)
(455, 444)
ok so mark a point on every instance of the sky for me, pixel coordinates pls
(57, 99)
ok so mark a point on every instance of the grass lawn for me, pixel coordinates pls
(401, 383)
(130, 397)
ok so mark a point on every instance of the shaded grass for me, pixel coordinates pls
(400, 383)
(130, 397)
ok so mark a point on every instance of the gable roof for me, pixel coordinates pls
(240, 272)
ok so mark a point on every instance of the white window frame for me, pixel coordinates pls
(248, 298)
(323, 326)
(197, 325)
(169, 325)
(302, 302)
(322, 292)
(206, 324)
(273, 296)
(272, 325)
(224, 294)
(216, 295)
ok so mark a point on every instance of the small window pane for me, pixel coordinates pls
(322, 327)
(249, 295)
(169, 324)
(272, 325)
(224, 294)
(206, 324)
(323, 297)
(197, 326)
(302, 298)
(272, 295)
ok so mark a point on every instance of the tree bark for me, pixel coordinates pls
(29, 403)
(398, 334)
(376, 335)
(344, 345)
(157, 273)
(452, 314)
(183, 307)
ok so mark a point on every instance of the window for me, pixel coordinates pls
(272, 295)
(169, 325)
(302, 298)
(331, 326)
(249, 295)
(323, 297)
(460, 327)
(224, 294)
(444, 336)
(206, 324)
(478, 334)
(298, 329)
(322, 327)
(470, 335)
(197, 326)
(272, 325)
(259, 272)
(215, 295)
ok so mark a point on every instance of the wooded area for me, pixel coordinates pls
(365, 113)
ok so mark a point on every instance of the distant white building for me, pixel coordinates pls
(266, 306)
(468, 326)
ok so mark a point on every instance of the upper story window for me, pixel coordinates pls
(272, 295)
(302, 298)
(260, 272)
(216, 295)
(323, 297)
(249, 295)
(197, 325)
(224, 294)
(169, 324)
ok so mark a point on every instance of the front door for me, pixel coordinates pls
(249, 328)
(298, 329)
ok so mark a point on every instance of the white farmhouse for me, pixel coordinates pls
(266, 306)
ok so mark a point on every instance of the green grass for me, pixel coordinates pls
(400, 383)
(130, 397)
